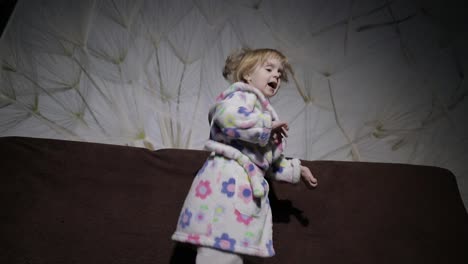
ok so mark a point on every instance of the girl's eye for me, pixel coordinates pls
(268, 69)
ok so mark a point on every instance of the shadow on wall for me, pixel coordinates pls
(282, 210)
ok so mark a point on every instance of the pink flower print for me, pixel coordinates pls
(203, 189)
(246, 242)
(224, 242)
(200, 217)
(193, 238)
(209, 230)
(245, 193)
(220, 97)
(242, 218)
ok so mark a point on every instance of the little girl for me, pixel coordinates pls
(226, 212)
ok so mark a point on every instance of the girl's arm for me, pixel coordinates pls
(291, 170)
(238, 117)
(287, 170)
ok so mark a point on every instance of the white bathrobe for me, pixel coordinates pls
(227, 206)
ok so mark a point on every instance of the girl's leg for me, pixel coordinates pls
(206, 255)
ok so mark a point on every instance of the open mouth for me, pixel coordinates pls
(272, 85)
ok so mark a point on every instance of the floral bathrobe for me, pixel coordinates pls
(227, 206)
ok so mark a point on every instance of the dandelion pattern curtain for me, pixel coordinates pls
(375, 80)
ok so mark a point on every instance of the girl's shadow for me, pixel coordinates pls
(282, 210)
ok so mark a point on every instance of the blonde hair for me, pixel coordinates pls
(244, 61)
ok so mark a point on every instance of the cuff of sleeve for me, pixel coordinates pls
(296, 173)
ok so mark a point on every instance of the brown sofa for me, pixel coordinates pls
(75, 202)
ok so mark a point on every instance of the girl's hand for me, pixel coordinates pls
(279, 130)
(309, 180)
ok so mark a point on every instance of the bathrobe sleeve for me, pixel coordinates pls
(283, 169)
(239, 116)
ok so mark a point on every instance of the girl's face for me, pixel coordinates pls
(266, 77)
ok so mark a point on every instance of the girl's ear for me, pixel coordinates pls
(246, 77)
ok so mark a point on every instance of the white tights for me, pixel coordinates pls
(206, 255)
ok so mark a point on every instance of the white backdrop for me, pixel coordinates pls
(375, 80)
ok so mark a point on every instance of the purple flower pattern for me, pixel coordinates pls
(270, 249)
(231, 132)
(229, 187)
(244, 111)
(185, 218)
(225, 242)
